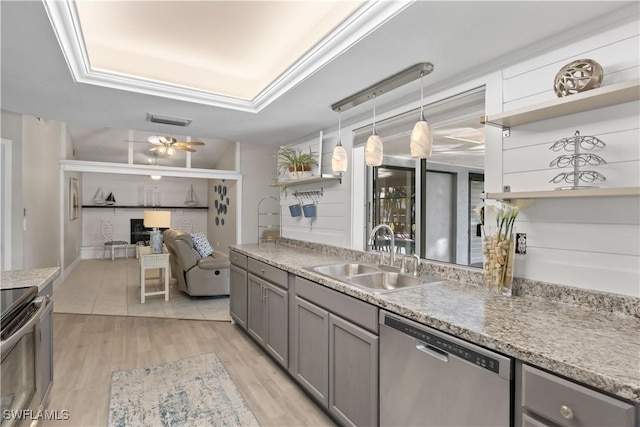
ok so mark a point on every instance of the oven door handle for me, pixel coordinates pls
(7, 344)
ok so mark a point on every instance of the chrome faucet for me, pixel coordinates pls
(416, 264)
(372, 236)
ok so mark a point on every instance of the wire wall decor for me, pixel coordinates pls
(577, 160)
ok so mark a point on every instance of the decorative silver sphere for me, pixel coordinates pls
(578, 76)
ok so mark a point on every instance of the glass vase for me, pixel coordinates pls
(498, 253)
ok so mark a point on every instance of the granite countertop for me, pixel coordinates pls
(39, 277)
(597, 348)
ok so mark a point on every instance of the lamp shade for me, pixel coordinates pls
(373, 151)
(421, 139)
(339, 158)
(157, 219)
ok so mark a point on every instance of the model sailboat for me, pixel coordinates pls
(98, 198)
(192, 199)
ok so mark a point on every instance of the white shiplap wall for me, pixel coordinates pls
(589, 243)
(329, 225)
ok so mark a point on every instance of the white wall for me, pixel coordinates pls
(258, 167)
(11, 129)
(329, 225)
(587, 243)
(129, 190)
(41, 153)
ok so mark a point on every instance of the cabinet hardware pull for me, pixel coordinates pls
(566, 412)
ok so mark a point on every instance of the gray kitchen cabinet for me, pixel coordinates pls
(267, 310)
(547, 399)
(310, 349)
(335, 352)
(238, 290)
(353, 373)
(238, 296)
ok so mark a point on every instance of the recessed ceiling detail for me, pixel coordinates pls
(230, 54)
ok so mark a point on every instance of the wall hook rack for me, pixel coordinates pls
(308, 194)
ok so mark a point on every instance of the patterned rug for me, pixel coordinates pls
(196, 391)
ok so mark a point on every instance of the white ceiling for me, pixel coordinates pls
(462, 40)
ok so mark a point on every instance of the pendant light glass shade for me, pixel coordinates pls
(373, 151)
(373, 147)
(421, 137)
(339, 157)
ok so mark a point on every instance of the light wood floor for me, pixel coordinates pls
(88, 347)
(113, 287)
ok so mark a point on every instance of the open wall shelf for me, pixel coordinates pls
(596, 98)
(310, 180)
(141, 207)
(556, 194)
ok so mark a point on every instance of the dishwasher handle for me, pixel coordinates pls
(432, 351)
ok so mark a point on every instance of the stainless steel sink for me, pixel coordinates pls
(371, 277)
(344, 270)
(386, 281)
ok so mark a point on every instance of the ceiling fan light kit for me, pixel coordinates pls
(167, 146)
(421, 141)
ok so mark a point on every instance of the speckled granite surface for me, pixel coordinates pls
(598, 348)
(39, 277)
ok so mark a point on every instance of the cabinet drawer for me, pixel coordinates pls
(268, 272)
(352, 309)
(238, 259)
(570, 404)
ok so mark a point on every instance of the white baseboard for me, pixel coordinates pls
(65, 273)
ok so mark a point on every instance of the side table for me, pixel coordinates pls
(150, 260)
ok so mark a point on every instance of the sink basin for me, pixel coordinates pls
(344, 270)
(374, 278)
(386, 280)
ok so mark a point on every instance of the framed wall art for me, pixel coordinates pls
(74, 198)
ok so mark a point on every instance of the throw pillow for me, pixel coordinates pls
(201, 244)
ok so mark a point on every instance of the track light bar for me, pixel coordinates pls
(166, 120)
(387, 85)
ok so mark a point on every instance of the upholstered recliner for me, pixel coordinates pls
(195, 275)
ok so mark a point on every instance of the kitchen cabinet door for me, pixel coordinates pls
(310, 351)
(353, 373)
(256, 307)
(277, 318)
(238, 296)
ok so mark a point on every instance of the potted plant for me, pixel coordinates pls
(296, 161)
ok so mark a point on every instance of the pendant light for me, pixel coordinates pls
(339, 157)
(373, 147)
(421, 137)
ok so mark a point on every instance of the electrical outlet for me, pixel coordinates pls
(521, 243)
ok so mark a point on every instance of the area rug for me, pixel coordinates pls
(196, 391)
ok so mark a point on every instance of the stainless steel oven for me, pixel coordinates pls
(25, 347)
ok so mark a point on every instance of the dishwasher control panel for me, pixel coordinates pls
(445, 345)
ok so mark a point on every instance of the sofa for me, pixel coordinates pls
(196, 276)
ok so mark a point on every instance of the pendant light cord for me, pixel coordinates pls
(339, 126)
(421, 96)
(374, 112)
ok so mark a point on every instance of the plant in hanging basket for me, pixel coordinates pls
(295, 161)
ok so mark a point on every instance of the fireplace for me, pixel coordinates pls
(140, 233)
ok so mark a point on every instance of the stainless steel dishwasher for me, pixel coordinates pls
(429, 378)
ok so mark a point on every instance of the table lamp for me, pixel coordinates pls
(156, 220)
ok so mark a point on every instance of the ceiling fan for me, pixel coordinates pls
(167, 146)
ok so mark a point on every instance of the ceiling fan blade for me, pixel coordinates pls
(188, 143)
(179, 147)
(154, 139)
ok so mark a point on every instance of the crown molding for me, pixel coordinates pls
(66, 26)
